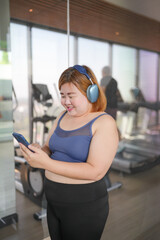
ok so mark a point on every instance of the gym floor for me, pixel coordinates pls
(134, 211)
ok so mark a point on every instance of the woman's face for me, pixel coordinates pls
(74, 101)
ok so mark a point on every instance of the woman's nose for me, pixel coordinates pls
(67, 100)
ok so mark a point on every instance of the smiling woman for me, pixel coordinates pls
(73, 100)
(86, 83)
(76, 156)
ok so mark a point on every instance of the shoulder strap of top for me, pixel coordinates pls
(93, 120)
(61, 117)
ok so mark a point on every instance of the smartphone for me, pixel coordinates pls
(21, 139)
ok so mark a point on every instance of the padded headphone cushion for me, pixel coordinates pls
(92, 93)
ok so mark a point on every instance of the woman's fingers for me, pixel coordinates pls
(33, 155)
(35, 145)
(25, 152)
(35, 149)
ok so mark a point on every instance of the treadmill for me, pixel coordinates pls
(137, 154)
(141, 101)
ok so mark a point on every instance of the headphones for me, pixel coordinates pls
(92, 90)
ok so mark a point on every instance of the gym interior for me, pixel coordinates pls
(38, 40)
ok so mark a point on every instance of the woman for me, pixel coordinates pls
(76, 156)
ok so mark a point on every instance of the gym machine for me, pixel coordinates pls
(111, 186)
(135, 154)
(43, 99)
(30, 180)
(149, 106)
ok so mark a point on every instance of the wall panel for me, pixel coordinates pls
(92, 18)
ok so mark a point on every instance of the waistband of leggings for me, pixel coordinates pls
(62, 192)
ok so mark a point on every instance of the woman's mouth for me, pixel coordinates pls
(69, 109)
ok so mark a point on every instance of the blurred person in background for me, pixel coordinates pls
(109, 87)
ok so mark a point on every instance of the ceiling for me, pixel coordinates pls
(148, 8)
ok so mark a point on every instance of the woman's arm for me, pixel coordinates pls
(101, 154)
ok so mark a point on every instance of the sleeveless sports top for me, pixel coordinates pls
(73, 145)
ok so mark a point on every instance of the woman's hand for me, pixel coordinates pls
(36, 158)
(35, 145)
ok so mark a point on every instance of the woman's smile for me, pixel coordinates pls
(69, 109)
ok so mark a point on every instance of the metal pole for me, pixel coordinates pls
(137, 67)
(137, 80)
(68, 31)
(29, 41)
(111, 58)
(158, 85)
(75, 50)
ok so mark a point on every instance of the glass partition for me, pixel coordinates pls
(49, 57)
(8, 213)
(49, 60)
(124, 69)
(148, 77)
(94, 54)
(20, 78)
(148, 72)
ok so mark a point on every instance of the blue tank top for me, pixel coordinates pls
(73, 145)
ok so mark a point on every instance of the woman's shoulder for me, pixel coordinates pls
(104, 119)
(58, 118)
(103, 115)
(105, 125)
(62, 113)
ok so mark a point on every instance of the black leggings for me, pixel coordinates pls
(76, 211)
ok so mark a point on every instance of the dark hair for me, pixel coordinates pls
(71, 75)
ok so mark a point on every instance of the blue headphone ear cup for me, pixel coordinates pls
(92, 93)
